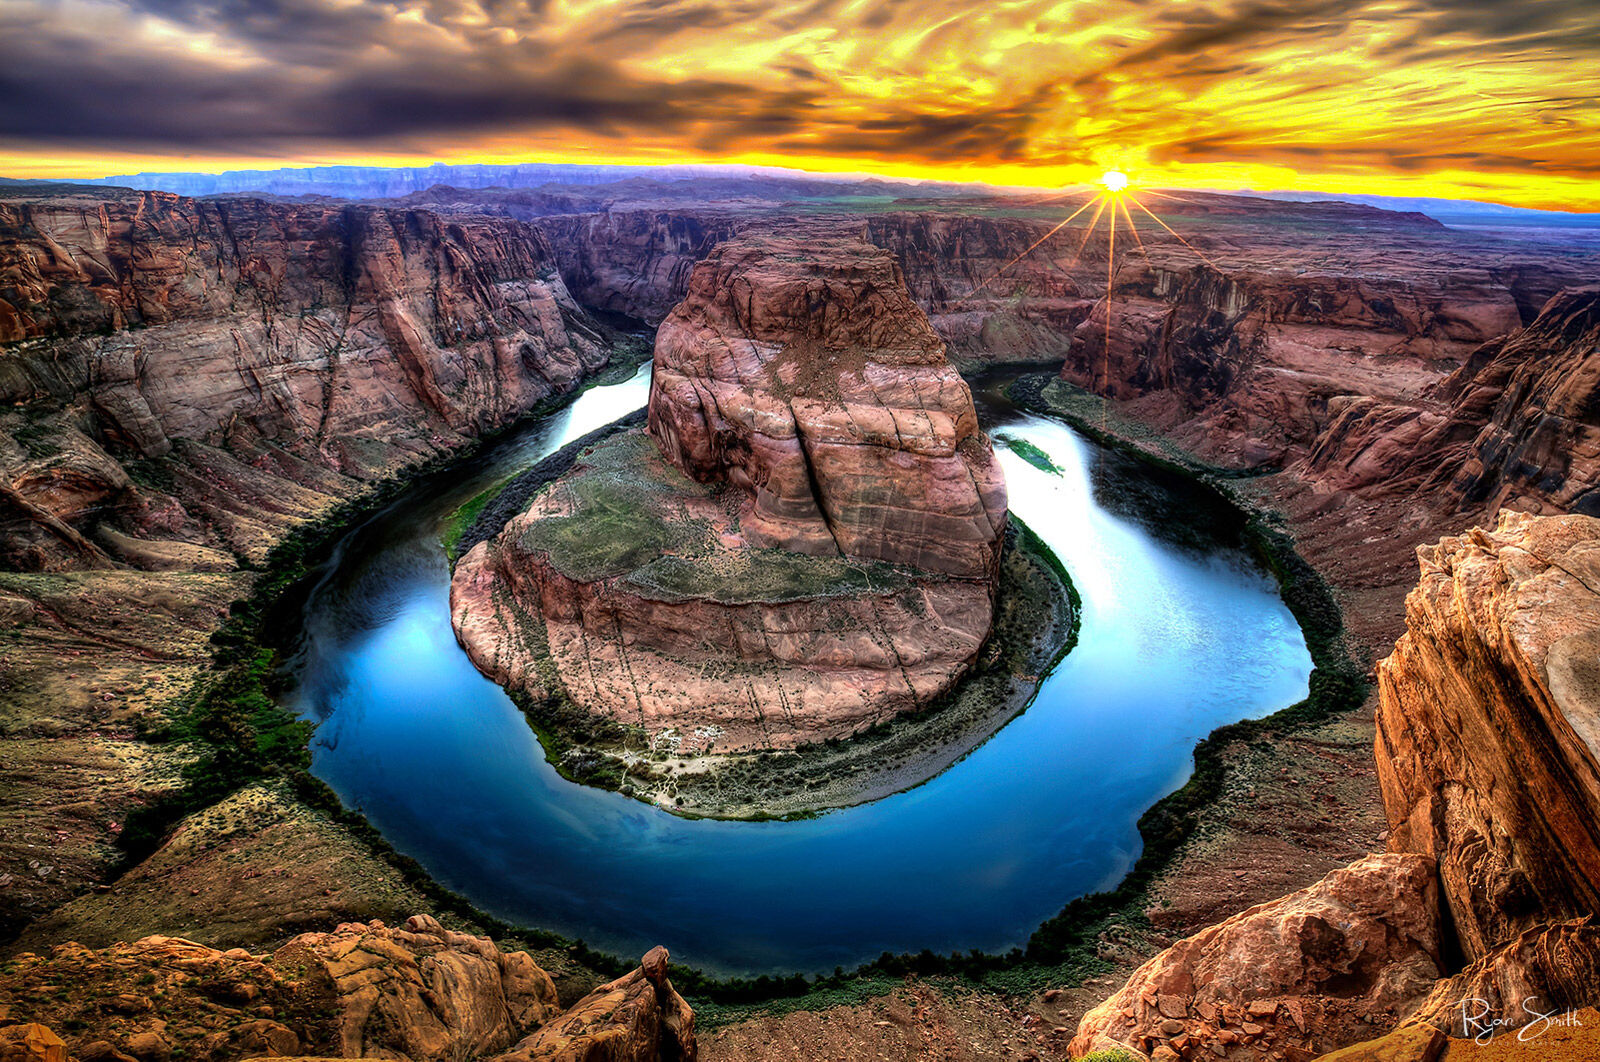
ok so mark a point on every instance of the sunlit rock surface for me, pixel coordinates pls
(1312, 972)
(412, 993)
(1489, 725)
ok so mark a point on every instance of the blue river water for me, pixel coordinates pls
(1174, 643)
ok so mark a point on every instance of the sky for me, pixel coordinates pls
(1488, 99)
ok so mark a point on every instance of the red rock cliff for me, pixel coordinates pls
(803, 374)
(302, 340)
(1488, 745)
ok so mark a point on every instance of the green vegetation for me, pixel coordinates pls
(1031, 454)
(619, 521)
(767, 575)
(456, 523)
(630, 517)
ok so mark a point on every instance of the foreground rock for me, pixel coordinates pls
(1320, 969)
(636, 1018)
(1545, 972)
(417, 993)
(804, 544)
(1487, 743)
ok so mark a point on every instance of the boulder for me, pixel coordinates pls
(425, 992)
(31, 1042)
(1311, 972)
(636, 1018)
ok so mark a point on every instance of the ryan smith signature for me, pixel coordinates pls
(1481, 1024)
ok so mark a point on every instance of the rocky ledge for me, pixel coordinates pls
(1489, 725)
(804, 543)
(412, 993)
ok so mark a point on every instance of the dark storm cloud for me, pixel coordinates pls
(1331, 86)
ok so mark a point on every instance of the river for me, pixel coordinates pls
(1174, 643)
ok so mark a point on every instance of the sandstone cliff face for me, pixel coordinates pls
(1550, 970)
(1487, 741)
(803, 375)
(1540, 447)
(635, 262)
(805, 543)
(1515, 426)
(415, 993)
(305, 340)
(1309, 973)
(699, 639)
(995, 289)
(1242, 365)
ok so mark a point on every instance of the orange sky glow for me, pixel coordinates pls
(1487, 100)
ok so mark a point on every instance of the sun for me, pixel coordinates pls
(1114, 180)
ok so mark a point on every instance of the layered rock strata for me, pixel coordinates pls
(1514, 426)
(320, 345)
(1488, 748)
(802, 374)
(412, 993)
(804, 544)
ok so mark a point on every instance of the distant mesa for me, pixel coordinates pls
(802, 543)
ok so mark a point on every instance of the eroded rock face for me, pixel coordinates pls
(636, 1018)
(1546, 971)
(1487, 737)
(803, 545)
(1242, 364)
(425, 992)
(803, 374)
(1514, 426)
(636, 262)
(323, 344)
(1309, 973)
(417, 993)
(1540, 447)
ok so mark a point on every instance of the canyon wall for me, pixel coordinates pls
(240, 344)
(1242, 365)
(1516, 425)
(986, 295)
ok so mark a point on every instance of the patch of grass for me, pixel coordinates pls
(1031, 454)
(617, 524)
(456, 524)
